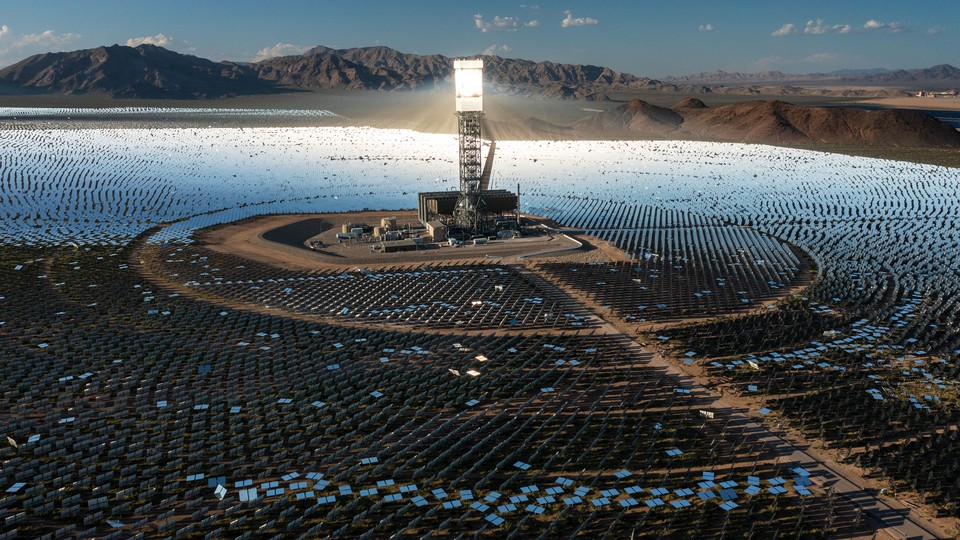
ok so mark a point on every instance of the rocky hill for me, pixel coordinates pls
(143, 72)
(319, 71)
(369, 68)
(637, 117)
(774, 122)
(412, 70)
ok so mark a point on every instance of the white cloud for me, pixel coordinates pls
(159, 40)
(13, 49)
(784, 30)
(873, 24)
(496, 49)
(502, 24)
(936, 30)
(46, 38)
(530, 7)
(707, 27)
(820, 57)
(569, 20)
(280, 49)
(818, 27)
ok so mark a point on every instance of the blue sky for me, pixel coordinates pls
(645, 38)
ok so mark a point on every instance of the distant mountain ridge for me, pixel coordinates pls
(150, 72)
(941, 76)
(383, 68)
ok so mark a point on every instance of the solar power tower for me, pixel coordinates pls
(468, 80)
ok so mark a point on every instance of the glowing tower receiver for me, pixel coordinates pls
(468, 78)
(468, 81)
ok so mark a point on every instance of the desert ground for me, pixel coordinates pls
(926, 103)
(291, 246)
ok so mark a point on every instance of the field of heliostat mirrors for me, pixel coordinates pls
(153, 386)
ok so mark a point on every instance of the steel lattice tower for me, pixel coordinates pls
(469, 211)
(468, 77)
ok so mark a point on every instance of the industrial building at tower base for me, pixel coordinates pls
(475, 210)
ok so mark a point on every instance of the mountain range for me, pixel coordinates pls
(940, 76)
(151, 72)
